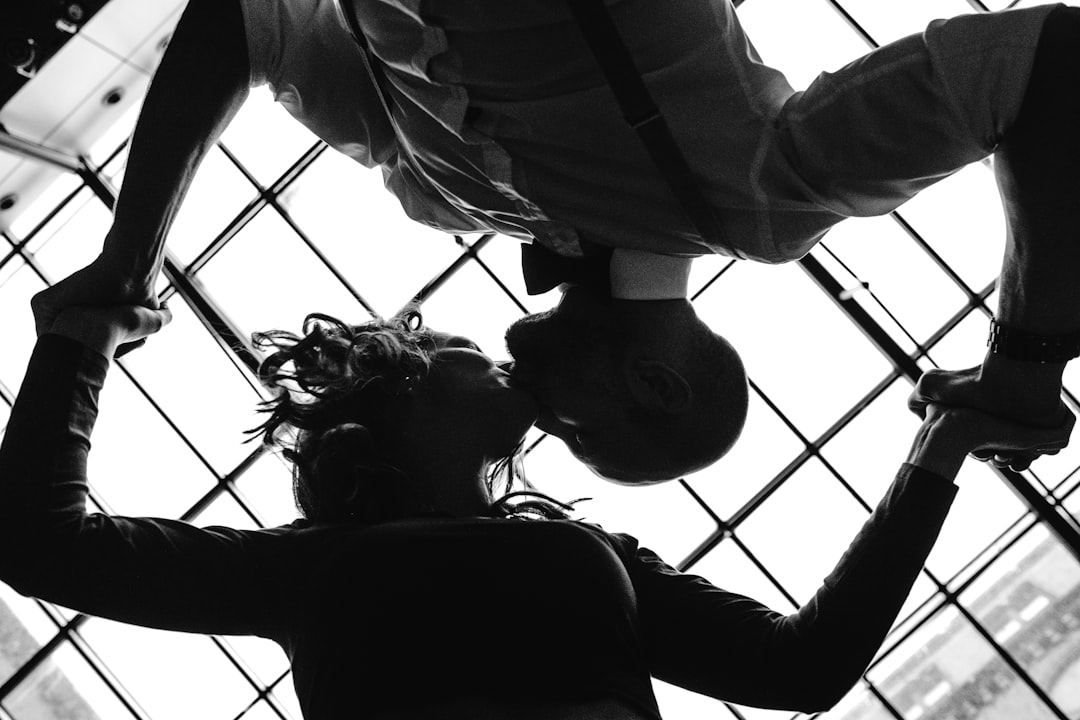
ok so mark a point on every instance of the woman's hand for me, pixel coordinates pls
(104, 283)
(1025, 393)
(949, 434)
(104, 329)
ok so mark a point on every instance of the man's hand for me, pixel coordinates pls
(101, 283)
(105, 328)
(1018, 394)
(948, 434)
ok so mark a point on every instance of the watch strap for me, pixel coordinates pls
(1027, 346)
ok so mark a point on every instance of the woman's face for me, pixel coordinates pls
(475, 398)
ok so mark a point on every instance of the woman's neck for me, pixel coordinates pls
(460, 491)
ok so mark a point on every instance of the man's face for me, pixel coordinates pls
(569, 358)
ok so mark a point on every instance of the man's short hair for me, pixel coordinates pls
(674, 445)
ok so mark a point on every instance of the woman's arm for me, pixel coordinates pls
(158, 573)
(200, 84)
(732, 647)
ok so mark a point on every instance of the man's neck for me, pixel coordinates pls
(639, 275)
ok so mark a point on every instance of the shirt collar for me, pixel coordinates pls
(639, 275)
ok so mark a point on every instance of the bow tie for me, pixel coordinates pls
(544, 269)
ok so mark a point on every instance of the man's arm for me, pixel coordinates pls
(1037, 288)
(200, 84)
(1039, 182)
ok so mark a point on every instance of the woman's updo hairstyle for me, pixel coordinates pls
(337, 413)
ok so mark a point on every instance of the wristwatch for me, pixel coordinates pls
(1032, 347)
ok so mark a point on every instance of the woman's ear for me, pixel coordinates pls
(657, 386)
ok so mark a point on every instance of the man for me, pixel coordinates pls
(494, 116)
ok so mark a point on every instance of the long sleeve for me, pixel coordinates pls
(196, 91)
(732, 647)
(158, 573)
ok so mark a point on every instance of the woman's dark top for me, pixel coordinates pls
(426, 611)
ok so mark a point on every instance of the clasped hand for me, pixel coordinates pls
(96, 306)
(1033, 408)
(98, 292)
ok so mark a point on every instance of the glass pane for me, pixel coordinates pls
(1028, 3)
(706, 270)
(1072, 501)
(881, 254)
(198, 387)
(73, 238)
(286, 695)
(962, 219)
(664, 518)
(217, 195)
(764, 449)
(453, 308)
(150, 662)
(106, 145)
(261, 711)
(263, 657)
(9, 263)
(947, 669)
(225, 511)
(1029, 600)
(727, 567)
(503, 256)
(859, 704)
(801, 531)
(965, 344)
(791, 337)
(869, 450)
(866, 297)
(267, 485)
(984, 507)
(139, 466)
(266, 278)
(1054, 469)
(265, 139)
(678, 704)
(778, 30)
(888, 21)
(32, 213)
(18, 323)
(64, 687)
(24, 628)
(751, 713)
(360, 227)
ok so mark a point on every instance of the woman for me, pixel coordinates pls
(413, 594)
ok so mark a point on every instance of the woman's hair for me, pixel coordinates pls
(338, 412)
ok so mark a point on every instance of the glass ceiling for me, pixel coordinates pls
(277, 226)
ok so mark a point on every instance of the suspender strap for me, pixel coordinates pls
(637, 106)
(640, 111)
